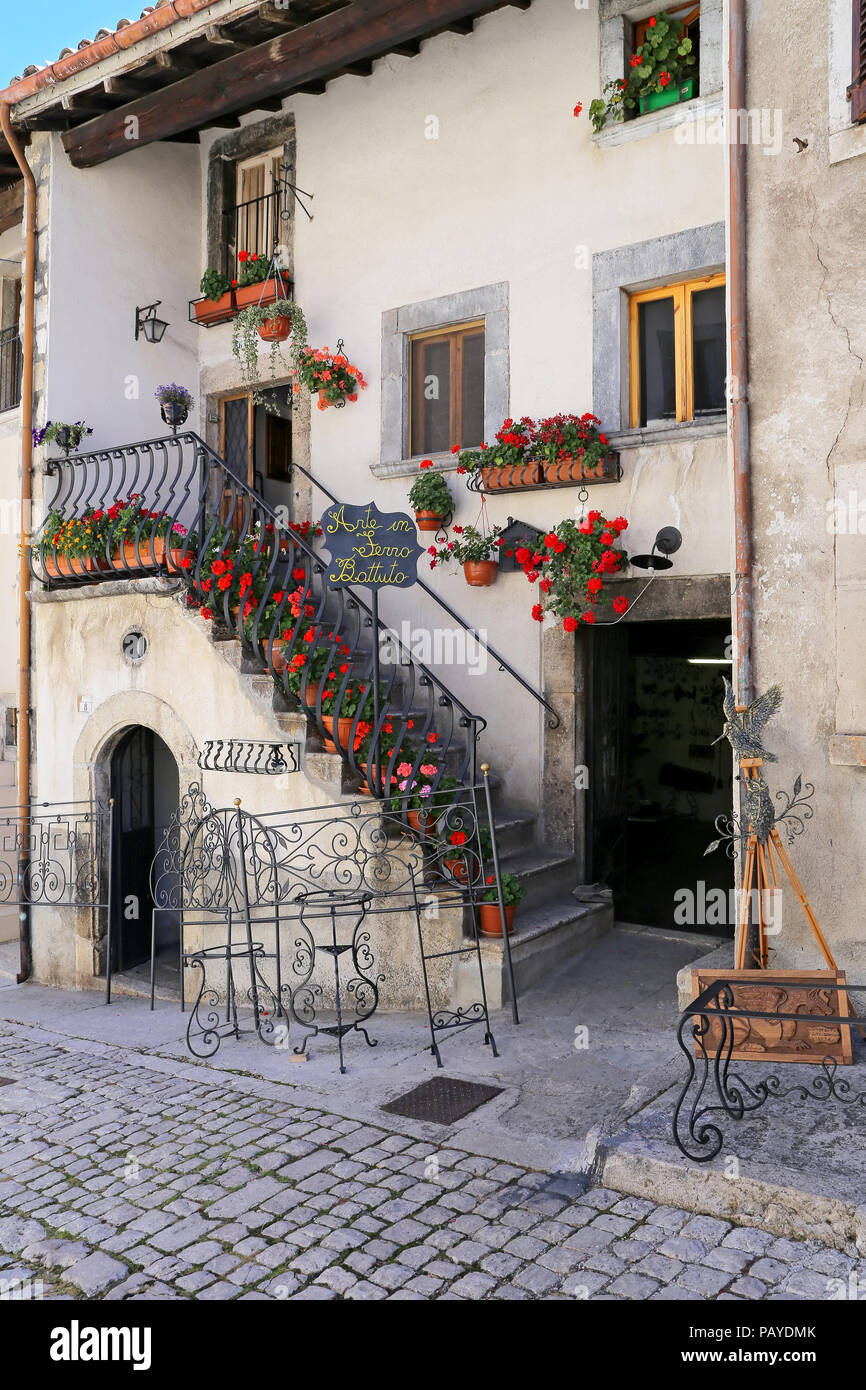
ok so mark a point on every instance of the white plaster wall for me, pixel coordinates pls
(118, 239)
(513, 189)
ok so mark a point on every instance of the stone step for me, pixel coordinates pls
(544, 940)
(548, 875)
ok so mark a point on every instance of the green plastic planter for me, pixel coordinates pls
(683, 92)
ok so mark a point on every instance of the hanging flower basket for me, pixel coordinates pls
(480, 573)
(331, 375)
(275, 330)
(472, 549)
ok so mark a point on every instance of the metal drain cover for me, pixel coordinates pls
(442, 1099)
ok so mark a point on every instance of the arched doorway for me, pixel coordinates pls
(145, 788)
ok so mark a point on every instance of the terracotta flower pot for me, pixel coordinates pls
(509, 477)
(491, 921)
(428, 521)
(423, 822)
(324, 403)
(275, 330)
(278, 659)
(573, 470)
(344, 733)
(147, 555)
(311, 694)
(457, 869)
(70, 567)
(480, 573)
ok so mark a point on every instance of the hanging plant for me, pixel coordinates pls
(474, 550)
(569, 564)
(330, 374)
(65, 436)
(278, 319)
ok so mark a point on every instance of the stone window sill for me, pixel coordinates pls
(683, 113)
(408, 468)
(685, 432)
(847, 143)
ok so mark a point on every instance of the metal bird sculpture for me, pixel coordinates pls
(758, 806)
(745, 731)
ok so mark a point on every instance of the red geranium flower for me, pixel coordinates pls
(620, 603)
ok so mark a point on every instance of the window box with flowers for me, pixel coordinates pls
(557, 451)
(661, 73)
(570, 563)
(508, 464)
(222, 298)
(573, 449)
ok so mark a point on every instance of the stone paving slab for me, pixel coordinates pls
(170, 1191)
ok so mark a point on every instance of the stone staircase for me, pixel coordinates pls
(551, 926)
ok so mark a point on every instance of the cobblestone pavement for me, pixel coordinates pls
(122, 1182)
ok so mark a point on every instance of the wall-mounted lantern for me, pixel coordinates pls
(148, 325)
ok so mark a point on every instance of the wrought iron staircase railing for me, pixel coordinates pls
(172, 506)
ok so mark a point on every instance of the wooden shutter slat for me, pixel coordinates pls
(857, 90)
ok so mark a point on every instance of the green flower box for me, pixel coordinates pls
(684, 91)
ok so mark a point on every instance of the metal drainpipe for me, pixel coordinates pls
(26, 955)
(739, 348)
(739, 353)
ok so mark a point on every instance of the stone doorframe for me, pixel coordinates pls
(91, 777)
(565, 684)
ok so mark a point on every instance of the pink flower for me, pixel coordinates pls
(404, 769)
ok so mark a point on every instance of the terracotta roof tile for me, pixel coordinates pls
(126, 34)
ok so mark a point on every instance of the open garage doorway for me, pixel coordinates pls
(657, 782)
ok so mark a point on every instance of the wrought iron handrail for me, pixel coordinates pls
(10, 368)
(171, 505)
(500, 660)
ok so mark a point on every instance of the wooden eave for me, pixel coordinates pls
(247, 62)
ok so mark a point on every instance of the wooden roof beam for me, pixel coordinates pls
(300, 59)
(12, 204)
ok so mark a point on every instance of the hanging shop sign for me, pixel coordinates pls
(377, 549)
(239, 755)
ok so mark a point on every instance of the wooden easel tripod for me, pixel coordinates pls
(759, 868)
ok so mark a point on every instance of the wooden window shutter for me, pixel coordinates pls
(857, 90)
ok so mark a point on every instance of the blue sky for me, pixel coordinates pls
(35, 31)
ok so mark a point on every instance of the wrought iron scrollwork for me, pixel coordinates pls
(241, 755)
(716, 1088)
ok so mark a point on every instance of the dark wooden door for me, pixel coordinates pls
(607, 753)
(134, 845)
